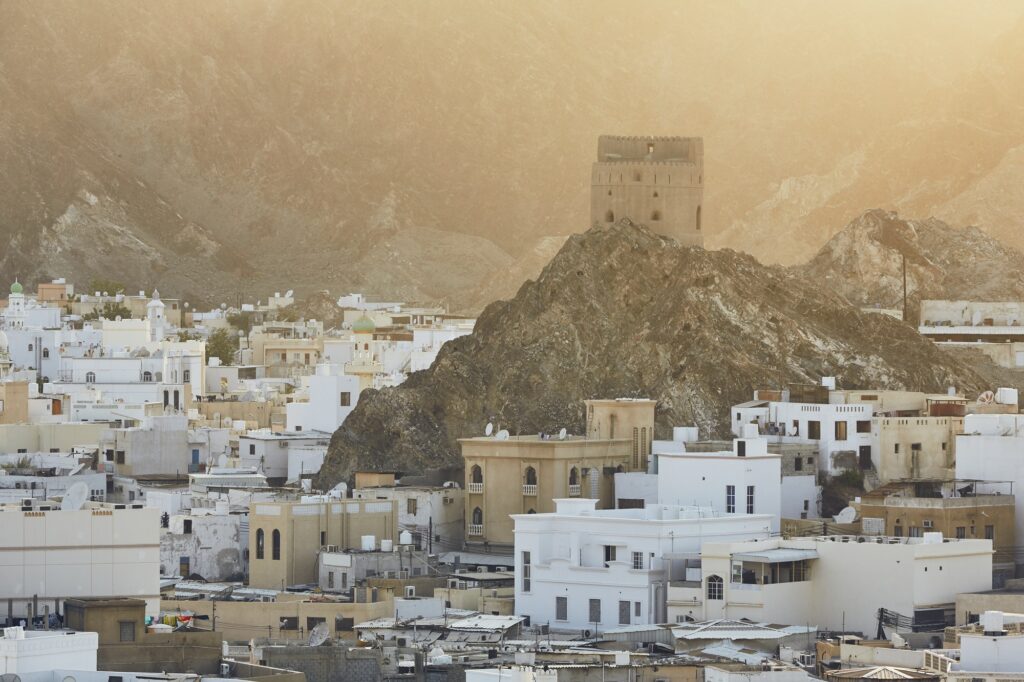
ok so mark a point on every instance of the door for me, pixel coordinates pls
(865, 457)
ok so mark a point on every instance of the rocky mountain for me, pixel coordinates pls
(864, 263)
(216, 147)
(621, 311)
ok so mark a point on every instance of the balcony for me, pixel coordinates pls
(575, 490)
(475, 529)
(529, 490)
(475, 487)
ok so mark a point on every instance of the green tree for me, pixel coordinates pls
(109, 311)
(241, 321)
(222, 344)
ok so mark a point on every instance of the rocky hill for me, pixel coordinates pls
(864, 263)
(620, 311)
(212, 148)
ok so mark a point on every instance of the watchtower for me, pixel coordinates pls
(656, 181)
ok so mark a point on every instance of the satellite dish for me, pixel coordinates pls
(74, 498)
(10, 677)
(489, 429)
(320, 634)
(562, 434)
(987, 398)
(847, 515)
(222, 461)
(502, 435)
(288, 294)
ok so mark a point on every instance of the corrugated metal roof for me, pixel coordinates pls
(881, 672)
(731, 629)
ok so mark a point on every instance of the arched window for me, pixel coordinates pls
(716, 588)
(609, 217)
(478, 516)
(46, 352)
(655, 215)
(31, 347)
(275, 545)
(90, 377)
(159, 376)
(574, 476)
(259, 543)
(186, 376)
(530, 476)
(698, 218)
(147, 376)
(476, 474)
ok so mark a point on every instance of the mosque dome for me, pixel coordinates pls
(364, 325)
(16, 288)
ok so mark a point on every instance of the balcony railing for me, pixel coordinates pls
(475, 487)
(475, 529)
(529, 490)
(574, 490)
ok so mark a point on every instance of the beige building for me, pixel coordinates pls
(916, 447)
(655, 181)
(14, 402)
(285, 537)
(619, 435)
(911, 509)
(57, 437)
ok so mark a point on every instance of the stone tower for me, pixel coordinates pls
(656, 181)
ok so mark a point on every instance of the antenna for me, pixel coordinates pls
(562, 434)
(320, 634)
(75, 497)
(502, 435)
(489, 429)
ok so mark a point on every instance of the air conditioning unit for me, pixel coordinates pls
(449, 500)
(403, 575)
(453, 584)
(481, 569)
(928, 524)
(389, 574)
(330, 548)
(462, 584)
(410, 590)
(806, 660)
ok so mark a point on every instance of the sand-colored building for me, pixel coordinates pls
(285, 537)
(916, 447)
(14, 402)
(525, 474)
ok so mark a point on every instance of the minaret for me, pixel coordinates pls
(155, 313)
(16, 306)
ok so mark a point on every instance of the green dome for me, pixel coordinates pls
(16, 288)
(364, 325)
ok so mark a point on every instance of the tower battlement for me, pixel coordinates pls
(656, 181)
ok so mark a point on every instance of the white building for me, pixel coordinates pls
(332, 397)
(991, 654)
(100, 550)
(211, 543)
(589, 569)
(433, 515)
(834, 582)
(992, 449)
(30, 651)
(267, 452)
(162, 445)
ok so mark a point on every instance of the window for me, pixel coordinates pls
(330, 580)
(561, 608)
(530, 476)
(716, 588)
(636, 448)
(698, 209)
(944, 447)
(864, 426)
(187, 527)
(730, 499)
(741, 448)
(289, 623)
(990, 532)
(896, 448)
(345, 399)
(574, 476)
(961, 532)
(478, 517)
(186, 376)
(840, 430)
(410, 506)
(90, 377)
(655, 215)
(259, 543)
(252, 448)
(624, 609)
(46, 352)
(750, 499)
(120, 456)
(110, 455)
(476, 474)
(915, 532)
(147, 376)
(342, 624)
(127, 628)
(638, 560)
(814, 430)
(636, 610)
(31, 347)
(915, 447)
(275, 545)
(609, 554)
(737, 572)
(897, 531)
(323, 538)
(799, 464)
(609, 217)
(595, 610)
(526, 571)
(312, 622)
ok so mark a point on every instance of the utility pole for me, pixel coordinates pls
(904, 258)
